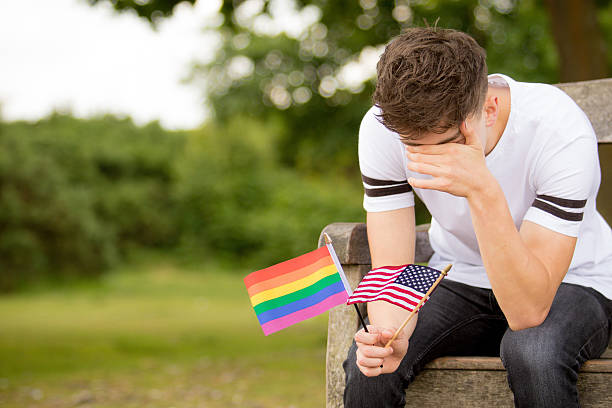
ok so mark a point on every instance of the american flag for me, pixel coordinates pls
(402, 286)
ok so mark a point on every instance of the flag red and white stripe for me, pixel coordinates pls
(403, 286)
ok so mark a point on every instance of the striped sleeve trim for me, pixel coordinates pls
(381, 188)
(560, 202)
(563, 202)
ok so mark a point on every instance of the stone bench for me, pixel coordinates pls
(458, 381)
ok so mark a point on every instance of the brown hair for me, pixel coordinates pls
(429, 80)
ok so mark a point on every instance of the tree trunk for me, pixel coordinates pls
(581, 46)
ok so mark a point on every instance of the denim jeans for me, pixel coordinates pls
(460, 320)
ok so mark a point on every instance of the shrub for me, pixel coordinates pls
(74, 194)
(238, 202)
(46, 222)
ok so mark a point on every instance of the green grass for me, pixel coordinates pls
(155, 335)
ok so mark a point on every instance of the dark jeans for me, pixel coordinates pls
(460, 320)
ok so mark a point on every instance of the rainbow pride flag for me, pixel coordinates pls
(297, 289)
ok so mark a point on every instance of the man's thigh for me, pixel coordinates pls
(457, 320)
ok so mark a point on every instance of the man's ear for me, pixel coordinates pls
(491, 110)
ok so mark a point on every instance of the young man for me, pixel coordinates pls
(510, 173)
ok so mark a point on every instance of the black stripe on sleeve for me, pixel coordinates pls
(566, 215)
(563, 202)
(375, 182)
(381, 192)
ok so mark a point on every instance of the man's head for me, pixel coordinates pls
(430, 80)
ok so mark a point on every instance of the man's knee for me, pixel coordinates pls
(541, 372)
(531, 350)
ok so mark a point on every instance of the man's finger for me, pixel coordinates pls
(369, 362)
(386, 335)
(438, 183)
(370, 371)
(375, 351)
(425, 168)
(430, 149)
(368, 338)
(435, 159)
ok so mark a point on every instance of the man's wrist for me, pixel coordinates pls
(486, 194)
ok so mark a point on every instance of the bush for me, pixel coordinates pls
(75, 194)
(46, 221)
(238, 202)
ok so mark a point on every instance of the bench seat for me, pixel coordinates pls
(447, 381)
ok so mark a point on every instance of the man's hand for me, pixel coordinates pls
(372, 357)
(457, 169)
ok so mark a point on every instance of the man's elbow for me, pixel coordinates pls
(527, 320)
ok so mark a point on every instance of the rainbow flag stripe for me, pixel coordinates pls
(297, 289)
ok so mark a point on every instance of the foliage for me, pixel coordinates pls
(152, 10)
(605, 22)
(313, 78)
(46, 223)
(307, 64)
(277, 162)
(75, 194)
(240, 203)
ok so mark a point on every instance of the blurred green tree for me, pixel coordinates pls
(237, 203)
(289, 86)
(152, 10)
(76, 194)
(580, 42)
(308, 64)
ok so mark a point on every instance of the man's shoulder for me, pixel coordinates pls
(548, 97)
(372, 130)
(370, 120)
(378, 146)
(547, 110)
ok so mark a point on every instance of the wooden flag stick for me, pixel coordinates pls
(418, 306)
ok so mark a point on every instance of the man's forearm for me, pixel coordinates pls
(391, 235)
(387, 315)
(522, 285)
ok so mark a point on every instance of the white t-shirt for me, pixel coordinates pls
(547, 166)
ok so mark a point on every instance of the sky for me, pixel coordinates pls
(70, 56)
